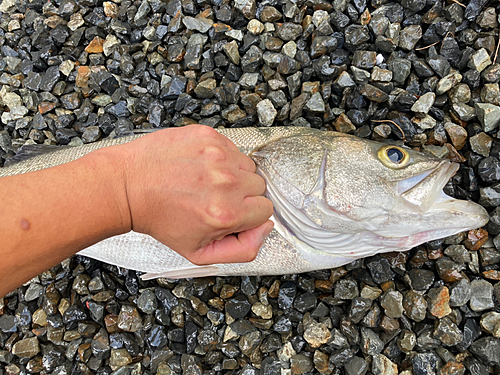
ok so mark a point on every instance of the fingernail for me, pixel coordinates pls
(266, 233)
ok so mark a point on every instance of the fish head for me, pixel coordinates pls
(334, 191)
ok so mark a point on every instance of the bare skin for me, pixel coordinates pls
(189, 188)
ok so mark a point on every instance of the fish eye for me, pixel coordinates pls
(393, 156)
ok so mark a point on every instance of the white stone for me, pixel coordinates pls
(255, 26)
(75, 21)
(266, 112)
(66, 67)
(290, 49)
(319, 16)
(479, 60)
(235, 34)
(12, 100)
(109, 43)
(424, 103)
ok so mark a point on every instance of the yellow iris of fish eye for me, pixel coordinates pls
(383, 155)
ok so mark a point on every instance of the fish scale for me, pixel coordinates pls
(303, 169)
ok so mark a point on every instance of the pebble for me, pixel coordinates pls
(424, 103)
(316, 334)
(26, 348)
(481, 295)
(392, 302)
(438, 302)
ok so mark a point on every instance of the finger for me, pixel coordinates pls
(245, 162)
(240, 248)
(254, 211)
(251, 184)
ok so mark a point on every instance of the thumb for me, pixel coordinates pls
(239, 248)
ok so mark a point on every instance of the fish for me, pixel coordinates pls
(337, 198)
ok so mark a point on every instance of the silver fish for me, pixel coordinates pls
(337, 198)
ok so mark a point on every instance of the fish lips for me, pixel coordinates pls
(424, 194)
(420, 192)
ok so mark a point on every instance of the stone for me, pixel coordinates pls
(481, 144)
(255, 26)
(409, 37)
(289, 31)
(487, 349)
(316, 334)
(266, 112)
(95, 46)
(205, 89)
(381, 365)
(488, 115)
(392, 302)
(129, 319)
(26, 348)
(448, 332)
(457, 134)
(479, 60)
(424, 103)
(448, 82)
(270, 14)
(322, 45)
(481, 295)
(414, 305)
(315, 104)
(460, 293)
(373, 93)
(438, 302)
(356, 366)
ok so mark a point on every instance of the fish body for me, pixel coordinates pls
(337, 198)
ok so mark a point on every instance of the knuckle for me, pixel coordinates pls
(204, 131)
(220, 217)
(224, 178)
(214, 153)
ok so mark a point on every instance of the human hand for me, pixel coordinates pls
(191, 189)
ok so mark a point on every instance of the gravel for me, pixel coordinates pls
(75, 72)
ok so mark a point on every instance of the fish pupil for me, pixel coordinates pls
(395, 155)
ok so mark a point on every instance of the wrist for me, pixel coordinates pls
(110, 183)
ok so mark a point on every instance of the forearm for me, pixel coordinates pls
(49, 215)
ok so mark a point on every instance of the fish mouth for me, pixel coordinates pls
(421, 192)
(424, 195)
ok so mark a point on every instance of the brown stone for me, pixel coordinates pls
(365, 17)
(492, 274)
(457, 134)
(323, 285)
(26, 348)
(373, 93)
(454, 155)
(82, 76)
(452, 368)
(84, 352)
(45, 107)
(111, 322)
(434, 254)
(475, 239)
(343, 124)
(95, 46)
(270, 14)
(274, 289)
(438, 302)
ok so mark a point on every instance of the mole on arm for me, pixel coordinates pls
(25, 224)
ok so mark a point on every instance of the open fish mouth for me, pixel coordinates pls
(425, 191)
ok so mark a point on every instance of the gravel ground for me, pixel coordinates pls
(423, 72)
